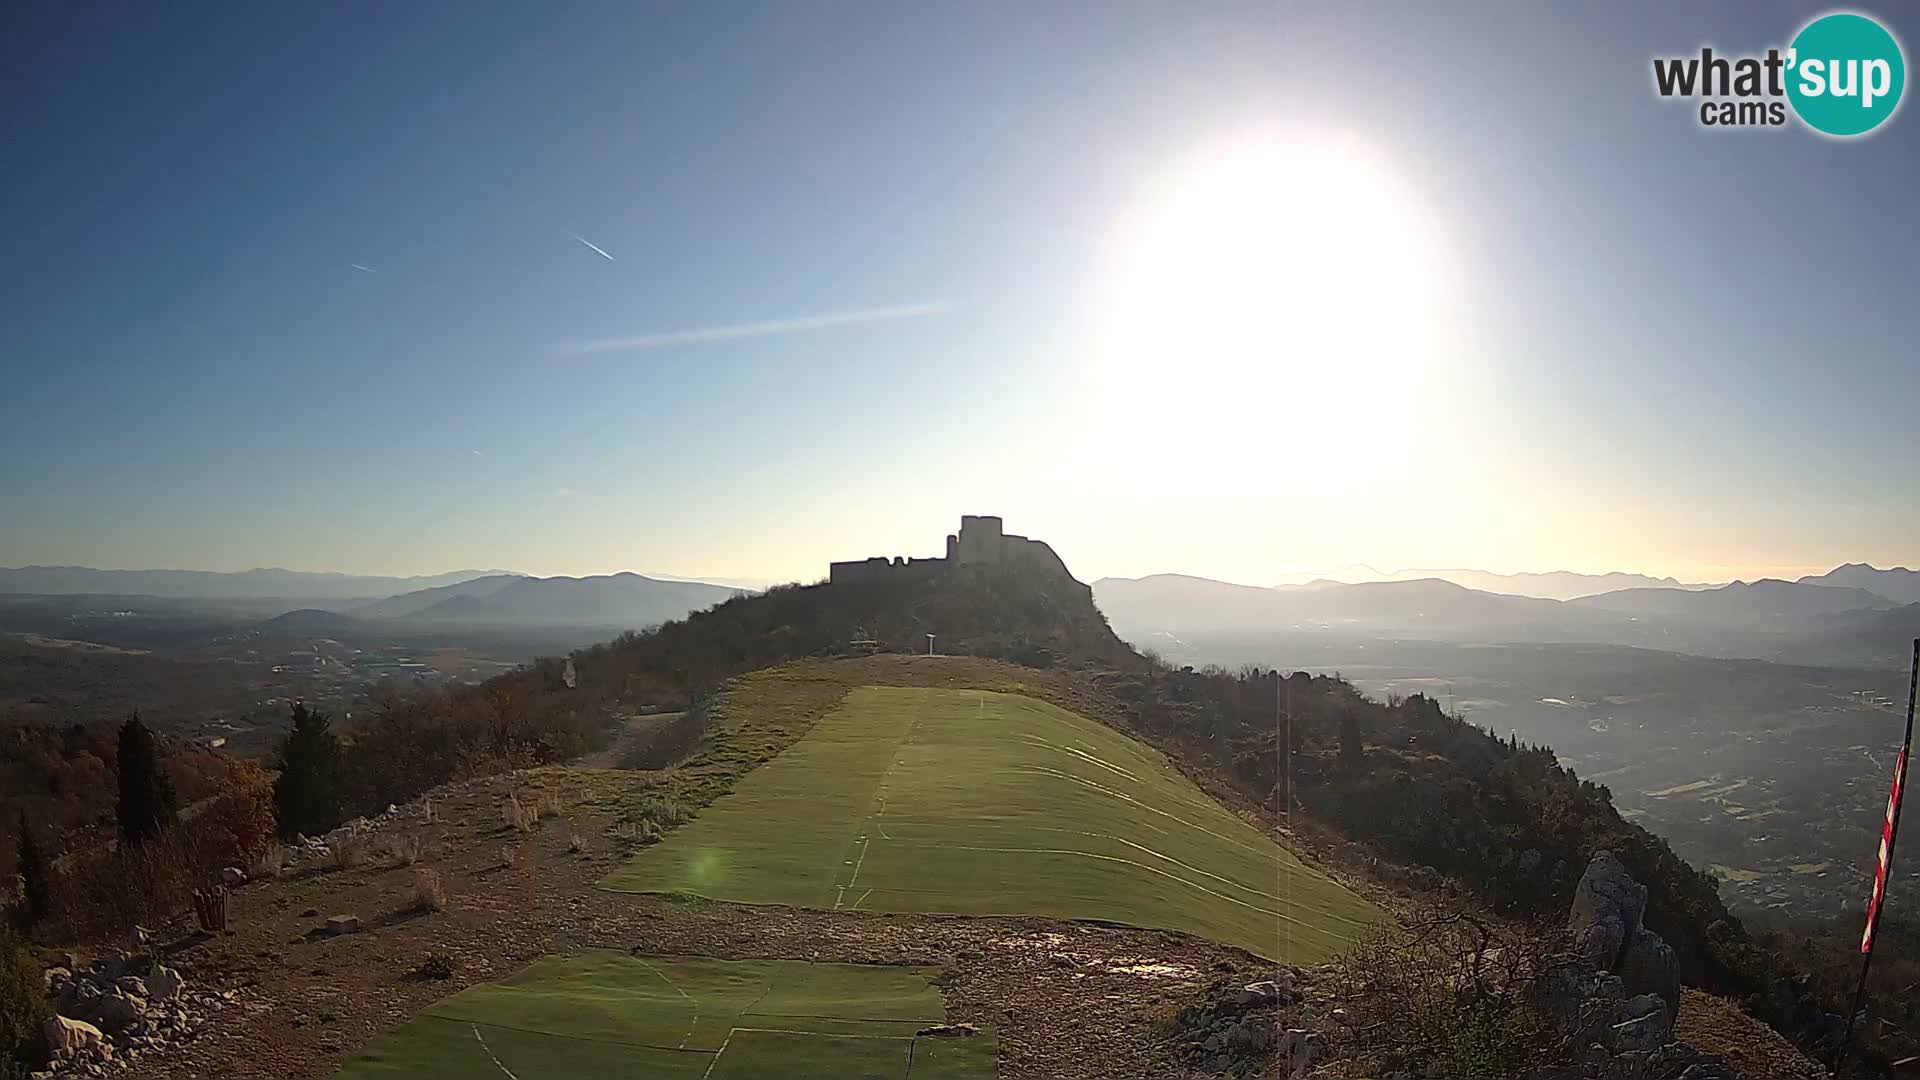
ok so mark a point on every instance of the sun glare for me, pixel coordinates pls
(1272, 284)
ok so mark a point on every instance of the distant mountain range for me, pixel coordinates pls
(1765, 619)
(610, 599)
(1423, 607)
(1899, 584)
(314, 601)
(1554, 585)
(209, 585)
(1760, 602)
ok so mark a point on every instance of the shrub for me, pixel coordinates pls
(104, 895)
(271, 863)
(1453, 996)
(429, 892)
(405, 850)
(23, 1007)
(348, 852)
(242, 810)
(662, 812)
(436, 967)
(516, 815)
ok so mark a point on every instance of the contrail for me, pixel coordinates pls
(364, 269)
(596, 247)
(760, 329)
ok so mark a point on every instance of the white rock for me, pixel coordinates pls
(66, 1036)
(117, 1010)
(232, 877)
(342, 924)
(164, 983)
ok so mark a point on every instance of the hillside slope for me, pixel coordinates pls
(986, 803)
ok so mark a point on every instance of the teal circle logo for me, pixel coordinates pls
(1845, 73)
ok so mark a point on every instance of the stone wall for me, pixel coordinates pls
(981, 541)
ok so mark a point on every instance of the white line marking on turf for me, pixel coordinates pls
(477, 1037)
(855, 879)
(676, 989)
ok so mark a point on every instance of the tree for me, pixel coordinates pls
(36, 885)
(23, 1008)
(147, 800)
(306, 795)
(1352, 749)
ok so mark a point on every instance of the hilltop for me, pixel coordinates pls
(1391, 804)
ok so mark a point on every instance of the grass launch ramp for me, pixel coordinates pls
(971, 802)
(667, 1018)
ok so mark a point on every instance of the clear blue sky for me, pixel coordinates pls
(1663, 348)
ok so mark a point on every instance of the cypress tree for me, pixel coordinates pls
(1352, 749)
(147, 800)
(306, 794)
(36, 885)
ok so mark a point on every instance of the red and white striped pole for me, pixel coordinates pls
(1883, 872)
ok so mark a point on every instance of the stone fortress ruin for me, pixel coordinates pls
(981, 541)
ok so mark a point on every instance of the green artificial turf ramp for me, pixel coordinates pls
(978, 803)
(664, 1018)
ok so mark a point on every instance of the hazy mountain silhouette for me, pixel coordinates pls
(1428, 606)
(626, 599)
(205, 584)
(1898, 584)
(1768, 603)
(413, 603)
(1553, 585)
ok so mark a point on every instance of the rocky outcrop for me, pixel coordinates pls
(1620, 999)
(65, 1035)
(1606, 923)
(114, 1011)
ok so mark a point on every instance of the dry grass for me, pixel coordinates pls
(270, 865)
(429, 892)
(349, 852)
(406, 850)
(517, 815)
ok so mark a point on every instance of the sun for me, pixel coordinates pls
(1268, 284)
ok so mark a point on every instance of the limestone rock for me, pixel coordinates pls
(1606, 911)
(1641, 1026)
(1267, 992)
(66, 1036)
(233, 877)
(164, 983)
(1648, 966)
(342, 924)
(116, 1010)
(1300, 1049)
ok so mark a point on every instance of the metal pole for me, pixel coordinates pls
(1893, 834)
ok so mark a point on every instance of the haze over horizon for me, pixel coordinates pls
(402, 290)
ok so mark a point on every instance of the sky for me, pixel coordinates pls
(734, 290)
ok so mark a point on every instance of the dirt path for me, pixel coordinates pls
(1070, 1001)
(637, 727)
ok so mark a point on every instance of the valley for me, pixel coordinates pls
(1772, 775)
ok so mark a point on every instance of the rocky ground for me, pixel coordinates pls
(278, 995)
